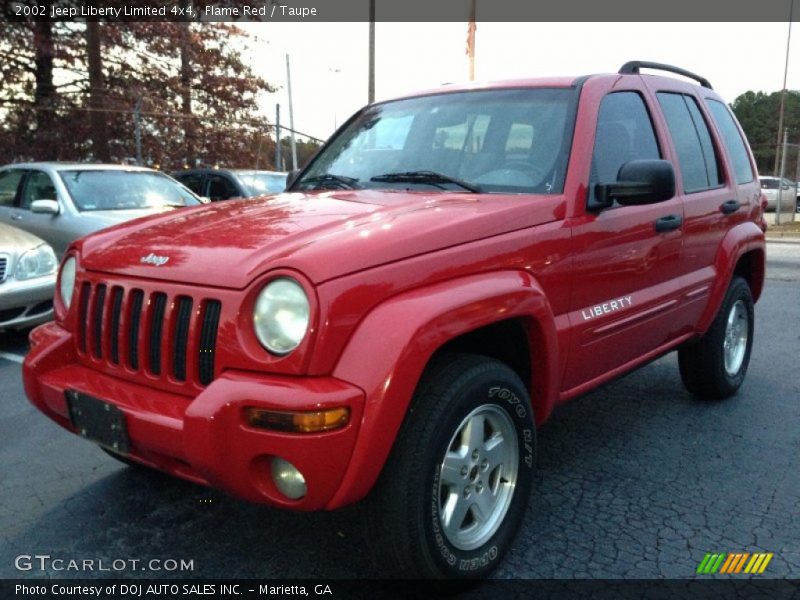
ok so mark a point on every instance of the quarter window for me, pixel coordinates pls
(696, 154)
(732, 139)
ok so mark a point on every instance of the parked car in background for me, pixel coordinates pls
(60, 202)
(224, 184)
(27, 279)
(770, 186)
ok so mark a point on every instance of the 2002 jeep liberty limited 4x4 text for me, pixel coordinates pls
(447, 270)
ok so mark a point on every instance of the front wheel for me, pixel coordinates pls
(715, 366)
(455, 488)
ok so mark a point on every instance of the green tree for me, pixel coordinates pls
(758, 114)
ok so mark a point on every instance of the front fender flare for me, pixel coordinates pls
(391, 347)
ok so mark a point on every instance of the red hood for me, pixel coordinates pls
(323, 235)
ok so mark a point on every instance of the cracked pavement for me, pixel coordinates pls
(635, 480)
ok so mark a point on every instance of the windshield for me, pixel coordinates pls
(512, 141)
(258, 184)
(124, 190)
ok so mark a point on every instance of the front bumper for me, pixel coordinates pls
(206, 439)
(26, 303)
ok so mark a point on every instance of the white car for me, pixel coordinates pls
(770, 186)
(60, 202)
(27, 279)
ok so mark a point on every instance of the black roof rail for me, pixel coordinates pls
(633, 67)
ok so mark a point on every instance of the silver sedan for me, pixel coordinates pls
(27, 279)
(60, 202)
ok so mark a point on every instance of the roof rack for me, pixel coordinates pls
(633, 67)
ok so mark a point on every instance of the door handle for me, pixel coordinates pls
(16, 216)
(729, 206)
(669, 223)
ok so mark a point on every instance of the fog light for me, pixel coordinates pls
(298, 422)
(289, 481)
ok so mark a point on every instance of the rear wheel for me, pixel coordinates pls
(715, 365)
(454, 489)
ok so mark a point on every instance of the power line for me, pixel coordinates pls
(151, 113)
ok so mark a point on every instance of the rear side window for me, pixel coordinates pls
(733, 141)
(696, 154)
(624, 133)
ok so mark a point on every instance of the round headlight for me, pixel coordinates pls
(281, 315)
(67, 281)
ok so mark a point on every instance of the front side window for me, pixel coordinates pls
(624, 133)
(38, 187)
(502, 141)
(221, 188)
(124, 190)
(696, 154)
(193, 181)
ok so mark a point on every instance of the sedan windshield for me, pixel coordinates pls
(509, 141)
(124, 190)
(258, 184)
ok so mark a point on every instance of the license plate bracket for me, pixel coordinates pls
(98, 421)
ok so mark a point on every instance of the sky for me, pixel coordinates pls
(329, 60)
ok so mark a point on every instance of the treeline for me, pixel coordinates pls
(759, 113)
(174, 93)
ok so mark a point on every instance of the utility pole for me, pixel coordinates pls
(371, 80)
(137, 127)
(783, 90)
(278, 161)
(291, 114)
(780, 180)
(471, 40)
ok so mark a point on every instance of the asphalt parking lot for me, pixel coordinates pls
(636, 480)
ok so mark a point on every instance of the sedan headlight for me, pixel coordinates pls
(38, 262)
(281, 315)
(67, 281)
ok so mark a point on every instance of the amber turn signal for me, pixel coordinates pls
(298, 422)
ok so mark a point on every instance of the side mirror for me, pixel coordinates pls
(644, 181)
(45, 207)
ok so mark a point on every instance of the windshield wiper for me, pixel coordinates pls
(429, 177)
(347, 183)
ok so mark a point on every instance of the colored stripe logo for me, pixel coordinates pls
(733, 563)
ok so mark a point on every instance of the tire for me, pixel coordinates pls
(423, 518)
(714, 367)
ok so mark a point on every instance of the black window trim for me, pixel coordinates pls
(714, 142)
(742, 139)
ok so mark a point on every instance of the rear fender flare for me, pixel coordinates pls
(740, 240)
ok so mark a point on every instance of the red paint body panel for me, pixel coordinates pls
(391, 277)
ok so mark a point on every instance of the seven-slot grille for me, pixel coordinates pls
(3, 266)
(167, 336)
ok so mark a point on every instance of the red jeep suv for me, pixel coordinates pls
(451, 267)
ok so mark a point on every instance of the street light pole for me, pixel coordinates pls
(291, 114)
(371, 80)
(783, 90)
